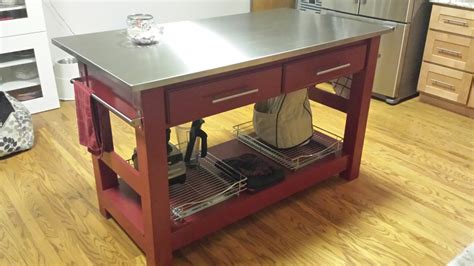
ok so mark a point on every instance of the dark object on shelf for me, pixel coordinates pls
(194, 133)
(28, 93)
(176, 165)
(259, 173)
(285, 121)
(16, 126)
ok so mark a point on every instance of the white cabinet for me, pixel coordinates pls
(22, 18)
(26, 70)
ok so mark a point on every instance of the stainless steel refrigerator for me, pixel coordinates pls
(401, 51)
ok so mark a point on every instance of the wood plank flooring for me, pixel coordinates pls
(413, 203)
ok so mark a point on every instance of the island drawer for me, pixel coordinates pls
(212, 97)
(323, 67)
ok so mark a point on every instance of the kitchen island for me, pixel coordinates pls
(205, 67)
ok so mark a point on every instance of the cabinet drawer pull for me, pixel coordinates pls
(449, 52)
(456, 22)
(442, 84)
(333, 69)
(234, 96)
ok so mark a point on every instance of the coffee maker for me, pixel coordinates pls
(176, 165)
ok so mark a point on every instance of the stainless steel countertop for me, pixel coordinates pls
(455, 3)
(195, 49)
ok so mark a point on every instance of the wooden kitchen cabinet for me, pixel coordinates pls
(451, 19)
(450, 50)
(446, 75)
(446, 83)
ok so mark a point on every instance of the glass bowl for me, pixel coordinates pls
(142, 30)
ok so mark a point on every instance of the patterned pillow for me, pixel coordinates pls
(16, 126)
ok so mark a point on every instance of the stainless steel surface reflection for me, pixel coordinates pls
(194, 49)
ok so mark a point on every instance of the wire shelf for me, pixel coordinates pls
(322, 144)
(207, 184)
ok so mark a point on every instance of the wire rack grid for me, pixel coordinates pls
(321, 144)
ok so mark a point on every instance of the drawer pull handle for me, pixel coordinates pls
(333, 69)
(234, 96)
(456, 22)
(449, 52)
(442, 84)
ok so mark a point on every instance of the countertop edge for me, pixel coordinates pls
(454, 4)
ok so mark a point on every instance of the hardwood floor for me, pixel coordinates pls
(412, 204)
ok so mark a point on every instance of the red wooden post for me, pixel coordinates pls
(153, 161)
(105, 177)
(358, 111)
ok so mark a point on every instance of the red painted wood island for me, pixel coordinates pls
(205, 67)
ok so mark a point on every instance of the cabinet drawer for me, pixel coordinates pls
(212, 97)
(323, 67)
(450, 50)
(444, 82)
(454, 20)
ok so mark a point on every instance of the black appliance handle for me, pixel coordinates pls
(203, 137)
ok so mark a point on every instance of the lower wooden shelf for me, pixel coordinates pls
(124, 204)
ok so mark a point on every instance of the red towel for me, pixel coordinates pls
(87, 119)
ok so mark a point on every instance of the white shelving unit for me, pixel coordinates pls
(24, 49)
(9, 61)
(22, 84)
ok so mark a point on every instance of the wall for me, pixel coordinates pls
(66, 17)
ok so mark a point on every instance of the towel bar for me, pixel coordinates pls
(135, 122)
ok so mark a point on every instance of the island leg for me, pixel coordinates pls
(105, 177)
(358, 110)
(153, 162)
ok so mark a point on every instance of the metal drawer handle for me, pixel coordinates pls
(449, 52)
(456, 22)
(333, 69)
(442, 84)
(234, 96)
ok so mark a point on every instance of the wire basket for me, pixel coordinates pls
(322, 144)
(210, 182)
